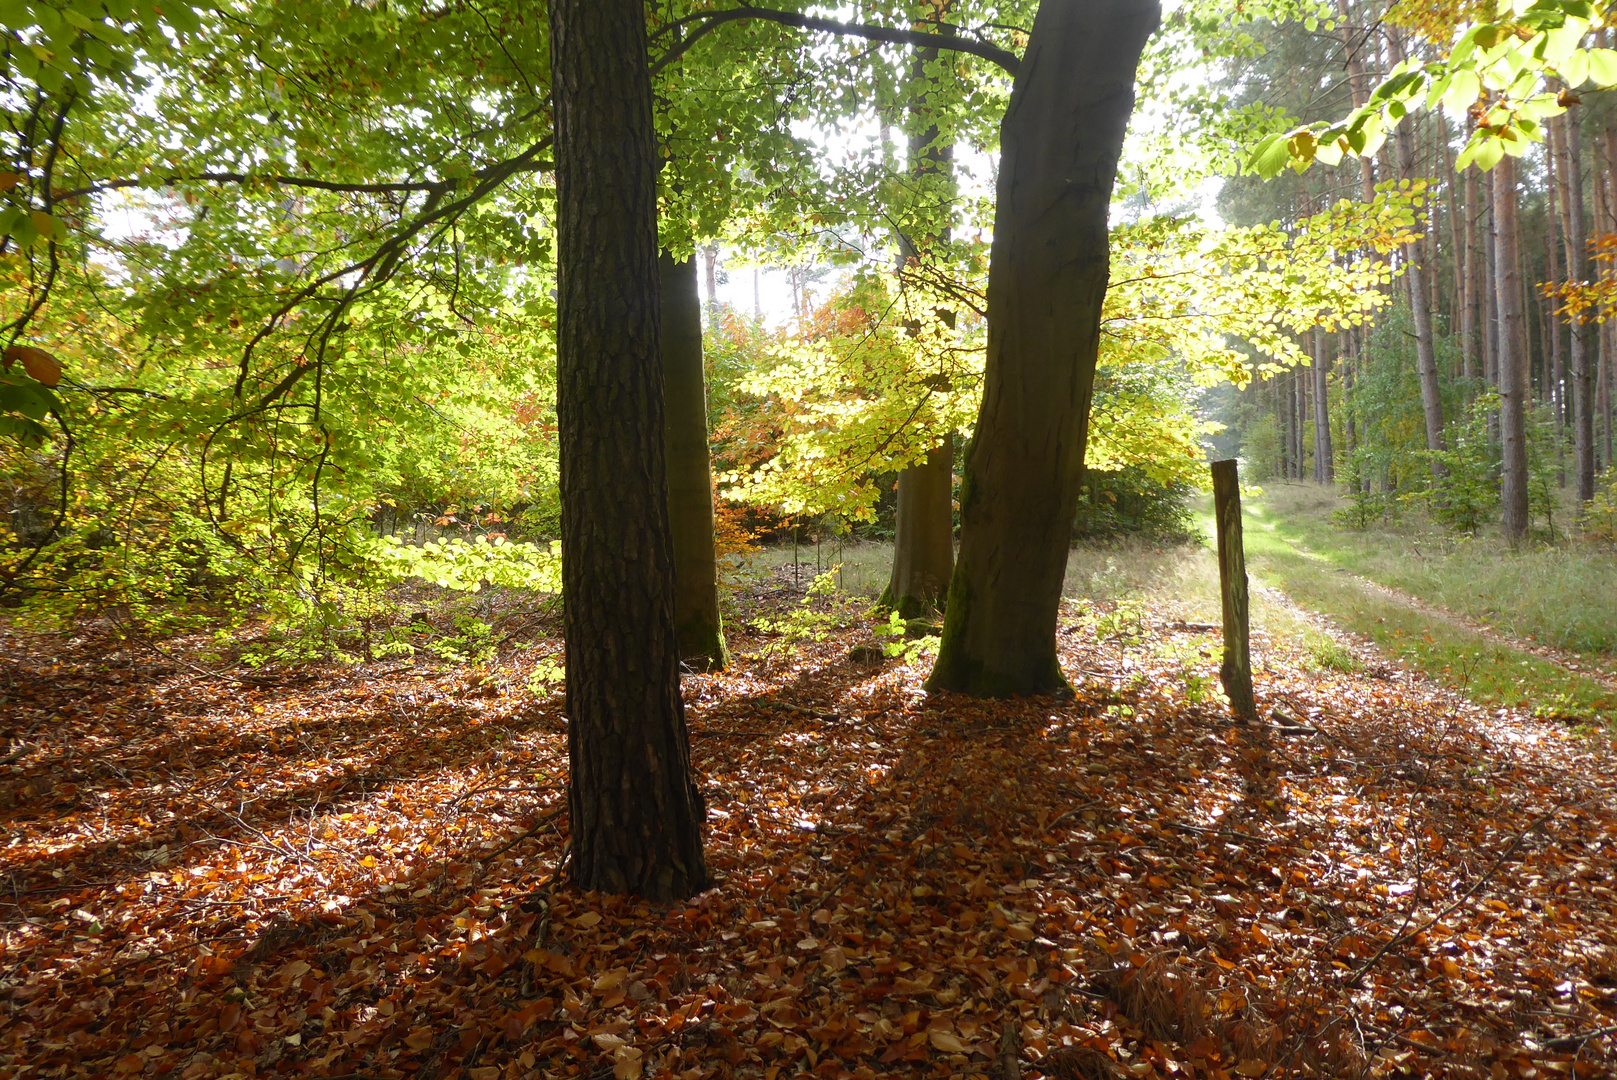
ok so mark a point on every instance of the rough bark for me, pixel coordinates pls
(635, 812)
(1512, 356)
(1581, 361)
(697, 625)
(1324, 463)
(1420, 305)
(1469, 302)
(1060, 141)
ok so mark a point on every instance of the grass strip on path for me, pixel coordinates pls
(1488, 672)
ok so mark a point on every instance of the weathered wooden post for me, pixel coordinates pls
(1236, 671)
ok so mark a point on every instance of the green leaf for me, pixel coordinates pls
(1270, 156)
(28, 432)
(19, 394)
(1603, 66)
(1462, 91)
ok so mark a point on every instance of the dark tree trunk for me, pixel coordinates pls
(923, 547)
(1060, 141)
(636, 814)
(1512, 355)
(1324, 463)
(1283, 425)
(690, 476)
(1235, 673)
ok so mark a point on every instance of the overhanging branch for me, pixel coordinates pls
(709, 21)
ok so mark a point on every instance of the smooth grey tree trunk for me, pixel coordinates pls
(635, 814)
(1060, 141)
(690, 475)
(1512, 355)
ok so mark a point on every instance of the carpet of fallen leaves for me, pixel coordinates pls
(351, 871)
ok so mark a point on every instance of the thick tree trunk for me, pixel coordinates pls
(1060, 141)
(1568, 146)
(923, 548)
(636, 814)
(697, 626)
(1420, 305)
(1512, 356)
(1324, 464)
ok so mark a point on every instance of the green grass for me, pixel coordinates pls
(863, 566)
(1488, 672)
(1562, 594)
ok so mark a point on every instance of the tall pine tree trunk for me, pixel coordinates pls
(636, 815)
(1060, 140)
(697, 626)
(1324, 465)
(1472, 286)
(1420, 305)
(1512, 355)
(1570, 175)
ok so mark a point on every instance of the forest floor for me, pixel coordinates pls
(351, 870)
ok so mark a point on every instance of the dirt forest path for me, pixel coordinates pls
(1574, 664)
(337, 870)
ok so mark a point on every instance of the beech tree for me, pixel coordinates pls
(1060, 142)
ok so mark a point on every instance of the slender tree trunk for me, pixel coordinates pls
(697, 626)
(1060, 141)
(1420, 305)
(1324, 463)
(1569, 146)
(1300, 383)
(1469, 304)
(1283, 425)
(1553, 262)
(1512, 356)
(923, 537)
(710, 277)
(636, 815)
(1359, 87)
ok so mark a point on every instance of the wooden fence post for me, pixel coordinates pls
(1236, 671)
